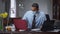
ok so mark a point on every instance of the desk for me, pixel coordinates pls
(32, 32)
(29, 33)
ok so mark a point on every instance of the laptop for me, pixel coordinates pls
(20, 24)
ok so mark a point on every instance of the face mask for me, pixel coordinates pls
(34, 12)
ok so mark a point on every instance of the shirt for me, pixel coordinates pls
(40, 18)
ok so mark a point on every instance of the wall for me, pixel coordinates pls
(45, 5)
(49, 7)
(2, 6)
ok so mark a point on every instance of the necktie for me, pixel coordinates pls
(33, 22)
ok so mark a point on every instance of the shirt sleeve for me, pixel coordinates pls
(43, 17)
(25, 16)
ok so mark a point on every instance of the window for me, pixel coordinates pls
(12, 9)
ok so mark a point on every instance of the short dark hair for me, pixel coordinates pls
(35, 5)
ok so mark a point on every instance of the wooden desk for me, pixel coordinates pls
(29, 33)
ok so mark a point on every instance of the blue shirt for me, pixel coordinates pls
(40, 18)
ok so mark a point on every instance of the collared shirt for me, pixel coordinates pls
(40, 18)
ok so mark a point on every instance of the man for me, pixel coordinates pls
(34, 17)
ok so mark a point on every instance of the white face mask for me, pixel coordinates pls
(34, 12)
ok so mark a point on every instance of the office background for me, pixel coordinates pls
(45, 5)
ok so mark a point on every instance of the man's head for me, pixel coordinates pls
(35, 7)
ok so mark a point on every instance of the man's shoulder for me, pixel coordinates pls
(41, 12)
(29, 11)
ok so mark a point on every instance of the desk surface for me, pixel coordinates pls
(29, 32)
(32, 32)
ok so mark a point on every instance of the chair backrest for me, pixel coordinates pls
(47, 17)
(48, 24)
(20, 24)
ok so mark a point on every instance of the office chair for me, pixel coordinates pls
(48, 24)
(47, 17)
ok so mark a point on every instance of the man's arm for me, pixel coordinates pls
(43, 17)
(25, 16)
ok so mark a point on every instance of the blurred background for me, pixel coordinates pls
(50, 7)
(17, 9)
